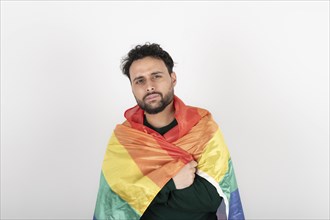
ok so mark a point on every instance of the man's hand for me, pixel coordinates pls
(185, 177)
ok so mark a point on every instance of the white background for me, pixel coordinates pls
(260, 67)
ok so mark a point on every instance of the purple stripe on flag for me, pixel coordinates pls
(235, 206)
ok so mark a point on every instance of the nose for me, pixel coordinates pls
(150, 87)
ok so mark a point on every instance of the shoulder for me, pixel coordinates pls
(201, 111)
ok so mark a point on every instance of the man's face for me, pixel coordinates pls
(152, 85)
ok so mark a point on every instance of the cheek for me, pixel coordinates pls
(171, 86)
(137, 92)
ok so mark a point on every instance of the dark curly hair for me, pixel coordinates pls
(146, 50)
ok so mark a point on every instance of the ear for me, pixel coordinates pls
(173, 78)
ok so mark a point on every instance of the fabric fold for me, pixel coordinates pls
(138, 162)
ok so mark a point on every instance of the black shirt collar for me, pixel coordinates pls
(161, 130)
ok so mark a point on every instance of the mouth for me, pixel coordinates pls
(151, 97)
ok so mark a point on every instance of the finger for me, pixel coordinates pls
(192, 169)
(193, 163)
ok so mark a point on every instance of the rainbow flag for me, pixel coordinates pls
(138, 162)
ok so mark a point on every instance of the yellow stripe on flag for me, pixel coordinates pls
(214, 159)
(125, 178)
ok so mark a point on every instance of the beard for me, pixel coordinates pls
(160, 106)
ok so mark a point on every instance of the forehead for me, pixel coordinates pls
(146, 65)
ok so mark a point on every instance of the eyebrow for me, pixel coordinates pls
(137, 78)
(157, 72)
(152, 74)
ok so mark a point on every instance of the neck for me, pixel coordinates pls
(163, 118)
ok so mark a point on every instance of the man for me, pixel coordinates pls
(167, 160)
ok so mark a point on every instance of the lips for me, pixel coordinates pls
(151, 97)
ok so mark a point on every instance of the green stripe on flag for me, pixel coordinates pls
(228, 183)
(110, 206)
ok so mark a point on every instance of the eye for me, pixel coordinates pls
(157, 76)
(139, 81)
